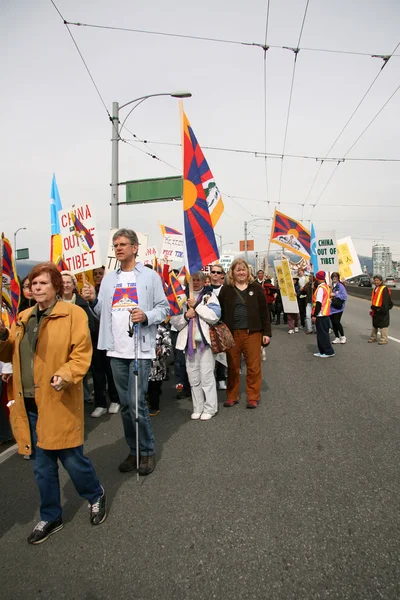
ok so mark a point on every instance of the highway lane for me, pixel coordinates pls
(295, 500)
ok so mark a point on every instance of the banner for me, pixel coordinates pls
(78, 232)
(172, 248)
(349, 263)
(225, 261)
(327, 253)
(285, 282)
(112, 264)
(151, 254)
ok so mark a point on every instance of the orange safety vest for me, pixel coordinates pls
(325, 304)
(377, 296)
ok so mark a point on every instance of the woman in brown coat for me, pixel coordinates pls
(245, 311)
(50, 349)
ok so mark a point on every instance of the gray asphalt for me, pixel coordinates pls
(295, 500)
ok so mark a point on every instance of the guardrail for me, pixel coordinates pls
(365, 292)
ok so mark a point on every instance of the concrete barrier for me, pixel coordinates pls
(365, 292)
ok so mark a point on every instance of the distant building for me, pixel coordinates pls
(382, 260)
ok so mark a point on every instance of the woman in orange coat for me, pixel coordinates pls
(50, 349)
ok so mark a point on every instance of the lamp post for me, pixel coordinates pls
(226, 244)
(246, 223)
(15, 241)
(115, 137)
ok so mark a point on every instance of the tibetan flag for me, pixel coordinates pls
(11, 289)
(84, 234)
(165, 230)
(56, 251)
(178, 289)
(174, 308)
(290, 234)
(158, 268)
(200, 243)
(182, 272)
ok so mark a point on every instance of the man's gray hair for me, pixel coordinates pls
(200, 275)
(128, 233)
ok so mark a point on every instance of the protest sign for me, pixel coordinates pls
(349, 263)
(285, 282)
(112, 264)
(151, 254)
(225, 261)
(172, 248)
(326, 249)
(79, 242)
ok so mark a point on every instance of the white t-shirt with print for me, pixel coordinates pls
(125, 298)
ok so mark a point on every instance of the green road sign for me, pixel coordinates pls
(22, 253)
(153, 190)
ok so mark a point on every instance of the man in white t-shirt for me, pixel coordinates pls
(131, 302)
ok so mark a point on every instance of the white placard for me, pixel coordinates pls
(225, 261)
(349, 263)
(79, 254)
(112, 263)
(327, 252)
(172, 248)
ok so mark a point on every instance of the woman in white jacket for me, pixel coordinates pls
(198, 313)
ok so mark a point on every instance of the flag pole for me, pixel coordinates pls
(181, 113)
(1, 269)
(270, 236)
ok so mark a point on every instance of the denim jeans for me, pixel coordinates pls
(45, 467)
(124, 379)
(180, 372)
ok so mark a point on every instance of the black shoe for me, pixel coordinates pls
(183, 395)
(147, 465)
(43, 530)
(98, 512)
(129, 464)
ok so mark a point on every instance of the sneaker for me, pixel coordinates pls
(318, 354)
(301, 327)
(206, 417)
(43, 530)
(221, 385)
(26, 457)
(371, 340)
(229, 403)
(99, 412)
(195, 416)
(147, 465)
(251, 404)
(129, 464)
(154, 412)
(114, 408)
(296, 330)
(290, 331)
(327, 355)
(98, 512)
(263, 355)
(179, 387)
(336, 341)
(183, 395)
(343, 339)
(309, 332)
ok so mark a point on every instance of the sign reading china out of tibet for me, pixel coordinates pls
(112, 264)
(285, 281)
(327, 252)
(225, 261)
(349, 264)
(172, 248)
(79, 240)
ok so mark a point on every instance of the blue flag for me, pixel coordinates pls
(55, 206)
(313, 253)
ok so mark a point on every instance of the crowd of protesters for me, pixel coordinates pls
(121, 330)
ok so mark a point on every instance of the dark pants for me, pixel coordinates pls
(323, 340)
(221, 372)
(336, 324)
(154, 393)
(102, 375)
(179, 364)
(45, 467)
(5, 428)
(302, 302)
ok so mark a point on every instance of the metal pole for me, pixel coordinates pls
(114, 166)
(220, 245)
(15, 244)
(245, 242)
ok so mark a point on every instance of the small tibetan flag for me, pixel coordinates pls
(290, 234)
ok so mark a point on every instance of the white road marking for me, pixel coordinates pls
(7, 453)
(393, 339)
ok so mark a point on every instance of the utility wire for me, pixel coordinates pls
(265, 108)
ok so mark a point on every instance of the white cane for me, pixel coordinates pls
(136, 373)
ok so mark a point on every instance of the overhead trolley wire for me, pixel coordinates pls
(265, 107)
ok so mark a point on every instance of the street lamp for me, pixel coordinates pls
(115, 137)
(246, 223)
(15, 241)
(227, 244)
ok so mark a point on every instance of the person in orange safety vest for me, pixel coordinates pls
(381, 303)
(320, 316)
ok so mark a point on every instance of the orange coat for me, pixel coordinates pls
(63, 349)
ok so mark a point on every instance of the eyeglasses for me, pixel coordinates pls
(216, 272)
(121, 245)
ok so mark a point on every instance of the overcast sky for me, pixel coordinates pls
(54, 121)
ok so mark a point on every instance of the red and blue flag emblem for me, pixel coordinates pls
(84, 234)
(11, 289)
(291, 234)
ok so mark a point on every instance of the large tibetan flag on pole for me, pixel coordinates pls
(10, 288)
(56, 251)
(290, 234)
(200, 244)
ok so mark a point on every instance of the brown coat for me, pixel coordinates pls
(257, 308)
(63, 349)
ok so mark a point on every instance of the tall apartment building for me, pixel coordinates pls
(382, 260)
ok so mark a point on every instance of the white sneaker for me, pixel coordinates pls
(114, 408)
(206, 417)
(195, 416)
(296, 330)
(222, 384)
(290, 331)
(263, 355)
(343, 340)
(98, 412)
(336, 341)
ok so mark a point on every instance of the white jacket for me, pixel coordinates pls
(209, 312)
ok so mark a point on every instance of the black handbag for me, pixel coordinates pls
(337, 303)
